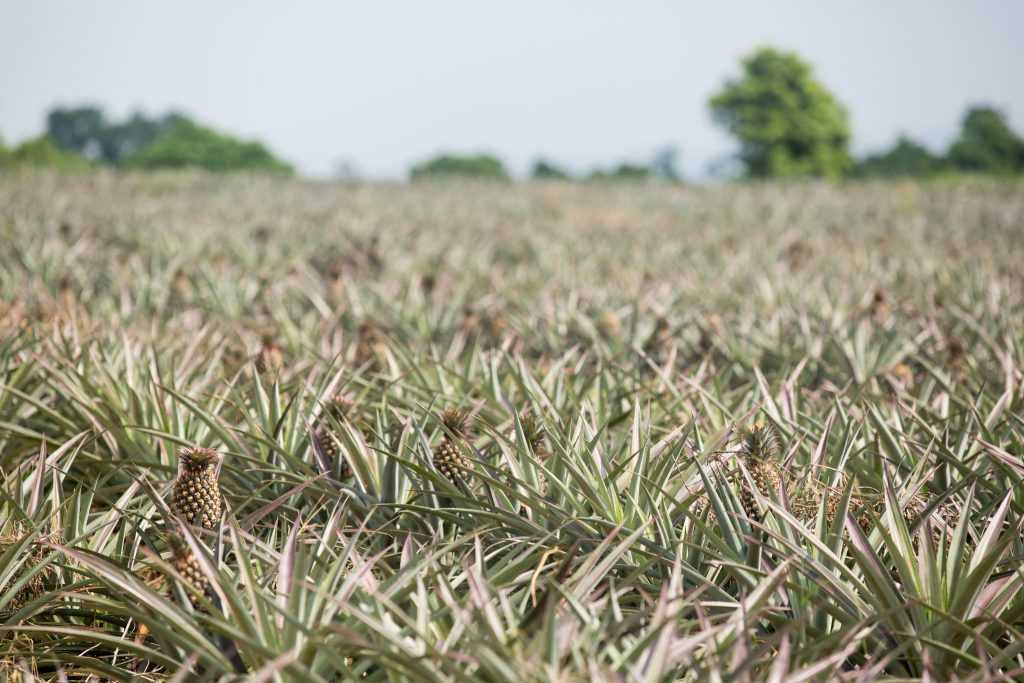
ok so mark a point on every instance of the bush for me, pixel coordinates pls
(41, 152)
(906, 158)
(546, 170)
(622, 172)
(447, 165)
(187, 144)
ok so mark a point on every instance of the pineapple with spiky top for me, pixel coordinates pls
(448, 456)
(760, 452)
(187, 565)
(336, 410)
(36, 552)
(533, 430)
(197, 498)
(270, 357)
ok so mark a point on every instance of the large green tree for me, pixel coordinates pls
(987, 143)
(786, 121)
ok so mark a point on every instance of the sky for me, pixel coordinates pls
(385, 84)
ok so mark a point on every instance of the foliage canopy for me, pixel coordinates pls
(483, 166)
(187, 144)
(905, 158)
(40, 151)
(547, 170)
(787, 123)
(987, 143)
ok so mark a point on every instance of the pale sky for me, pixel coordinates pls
(386, 84)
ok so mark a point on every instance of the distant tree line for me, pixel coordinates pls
(78, 137)
(489, 167)
(787, 124)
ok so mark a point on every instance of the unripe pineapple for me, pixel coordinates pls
(270, 357)
(534, 432)
(197, 496)
(370, 348)
(40, 581)
(760, 451)
(187, 565)
(335, 411)
(448, 457)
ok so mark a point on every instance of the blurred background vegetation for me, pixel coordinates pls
(787, 124)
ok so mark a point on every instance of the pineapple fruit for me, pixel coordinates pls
(270, 357)
(533, 430)
(187, 565)
(335, 411)
(39, 582)
(760, 452)
(448, 457)
(197, 498)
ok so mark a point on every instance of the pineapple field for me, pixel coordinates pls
(280, 430)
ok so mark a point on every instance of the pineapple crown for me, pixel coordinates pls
(197, 458)
(761, 442)
(533, 430)
(179, 548)
(338, 406)
(456, 421)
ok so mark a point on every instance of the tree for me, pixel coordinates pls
(447, 165)
(987, 143)
(624, 171)
(666, 164)
(78, 130)
(906, 158)
(121, 141)
(546, 170)
(87, 131)
(187, 144)
(787, 123)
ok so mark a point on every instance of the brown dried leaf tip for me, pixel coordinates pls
(197, 498)
(448, 456)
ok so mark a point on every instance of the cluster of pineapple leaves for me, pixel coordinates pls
(610, 345)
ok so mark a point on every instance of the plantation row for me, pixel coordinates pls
(294, 431)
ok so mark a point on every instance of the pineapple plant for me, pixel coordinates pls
(448, 457)
(197, 497)
(336, 410)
